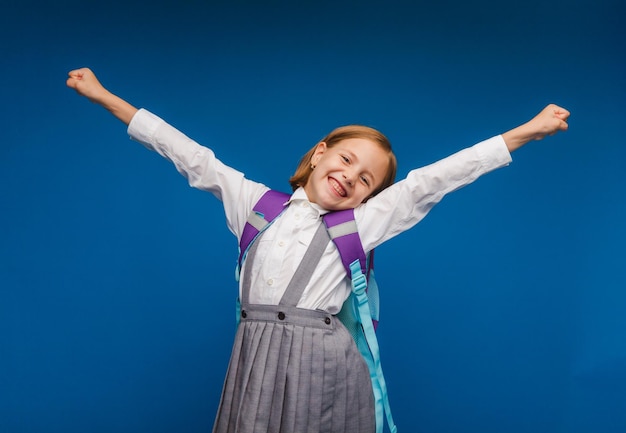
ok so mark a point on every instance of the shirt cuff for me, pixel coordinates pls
(143, 126)
(493, 153)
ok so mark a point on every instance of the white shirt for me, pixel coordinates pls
(394, 210)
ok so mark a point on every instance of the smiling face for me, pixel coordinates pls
(347, 173)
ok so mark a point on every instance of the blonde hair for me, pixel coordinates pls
(301, 176)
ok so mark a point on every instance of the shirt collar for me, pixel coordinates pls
(300, 196)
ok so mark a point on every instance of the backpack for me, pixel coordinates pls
(360, 312)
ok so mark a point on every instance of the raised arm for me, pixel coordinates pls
(86, 84)
(549, 121)
(404, 204)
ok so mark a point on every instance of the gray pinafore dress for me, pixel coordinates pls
(294, 370)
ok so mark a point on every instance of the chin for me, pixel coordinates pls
(340, 206)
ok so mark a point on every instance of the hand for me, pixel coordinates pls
(549, 121)
(86, 84)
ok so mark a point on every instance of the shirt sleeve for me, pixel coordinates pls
(404, 204)
(199, 166)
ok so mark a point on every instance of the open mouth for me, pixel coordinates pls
(336, 186)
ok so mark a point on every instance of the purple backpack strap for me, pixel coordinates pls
(341, 227)
(343, 231)
(269, 206)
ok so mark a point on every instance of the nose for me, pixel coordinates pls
(349, 176)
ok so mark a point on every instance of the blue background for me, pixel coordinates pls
(503, 311)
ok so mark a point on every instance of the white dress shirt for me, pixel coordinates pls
(394, 210)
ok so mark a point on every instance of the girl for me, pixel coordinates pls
(298, 375)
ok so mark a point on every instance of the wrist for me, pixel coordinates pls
(102, 97)
(517, 137)
(118, 107)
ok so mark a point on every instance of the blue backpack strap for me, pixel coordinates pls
(357, 314)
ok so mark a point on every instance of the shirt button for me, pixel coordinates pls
(281, 316)
(281, 244)
(305, 204)
(327, 320)
(297, 216)
(270, 281)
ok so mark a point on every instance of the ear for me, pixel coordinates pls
(320, 148)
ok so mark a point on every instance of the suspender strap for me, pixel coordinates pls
(309, 262)
(301, 277)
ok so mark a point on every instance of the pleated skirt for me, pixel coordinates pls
(294, 371)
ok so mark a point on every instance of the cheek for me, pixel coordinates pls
(315, 180)
(363, 194)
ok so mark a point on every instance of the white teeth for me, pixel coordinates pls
(338, 188)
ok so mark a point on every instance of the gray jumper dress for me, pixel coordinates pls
(294, 370)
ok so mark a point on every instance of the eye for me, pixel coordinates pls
(365, 180)
(345, 159)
